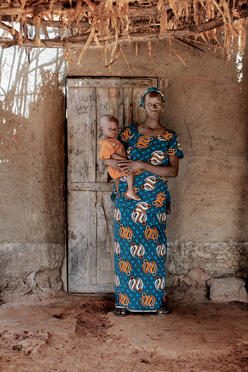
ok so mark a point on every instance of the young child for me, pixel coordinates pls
(111, 148)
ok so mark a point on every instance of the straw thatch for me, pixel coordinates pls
(88, 23)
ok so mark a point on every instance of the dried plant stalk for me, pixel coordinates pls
(124, 20)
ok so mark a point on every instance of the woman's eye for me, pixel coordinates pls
(154, 105)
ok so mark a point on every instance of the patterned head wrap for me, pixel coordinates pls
(151, 90)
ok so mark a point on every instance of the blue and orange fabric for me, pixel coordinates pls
(140, 247)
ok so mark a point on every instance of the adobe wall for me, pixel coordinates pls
(206, 105)
(32, 187)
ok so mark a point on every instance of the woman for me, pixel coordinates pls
(140, 227)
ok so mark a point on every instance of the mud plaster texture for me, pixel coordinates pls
(32, 194)
(81, 334)
(207, 231)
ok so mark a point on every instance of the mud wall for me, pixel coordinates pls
(32, 175)
(206, 105)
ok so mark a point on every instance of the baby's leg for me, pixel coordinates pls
(130, 187)
(130, 181)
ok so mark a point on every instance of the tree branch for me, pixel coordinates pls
(78, 41)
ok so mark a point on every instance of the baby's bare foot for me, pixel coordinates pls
(132, 195)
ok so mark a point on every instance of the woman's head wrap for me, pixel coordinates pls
(151, 90)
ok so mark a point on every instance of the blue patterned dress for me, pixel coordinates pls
(140, 246)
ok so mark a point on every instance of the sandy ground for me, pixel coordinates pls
(80, 333)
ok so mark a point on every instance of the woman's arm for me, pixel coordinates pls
(170, 170)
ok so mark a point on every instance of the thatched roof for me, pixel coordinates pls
(99, 23)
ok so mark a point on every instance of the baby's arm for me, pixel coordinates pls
(116, 156)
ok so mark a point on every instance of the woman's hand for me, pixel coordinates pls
(112, 163)
(130, 166)
(170, 170)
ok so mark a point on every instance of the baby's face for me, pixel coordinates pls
(109, 128)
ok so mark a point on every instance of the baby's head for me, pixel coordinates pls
(109, 126)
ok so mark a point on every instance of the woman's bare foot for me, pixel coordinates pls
(164, 309)
(119, 311)
(132, 195)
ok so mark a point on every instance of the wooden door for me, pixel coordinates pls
(90, 209)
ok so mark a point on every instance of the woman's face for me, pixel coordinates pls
(153, 105)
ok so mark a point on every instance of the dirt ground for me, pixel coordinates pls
(81, 334)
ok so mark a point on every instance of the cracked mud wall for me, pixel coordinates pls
(207, 106)
(32, 177)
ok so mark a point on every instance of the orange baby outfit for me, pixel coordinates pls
(109, 147)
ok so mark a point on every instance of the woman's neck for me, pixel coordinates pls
(151, 127)
(150, 123)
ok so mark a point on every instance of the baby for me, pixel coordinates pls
(111, 148)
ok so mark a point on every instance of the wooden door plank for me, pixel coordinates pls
(110, 82)
(78, 254)
(82, 240)
(92, 237)
(92, 186)
(85, 274)
(128, 106)
(81, 135)
(105, 238)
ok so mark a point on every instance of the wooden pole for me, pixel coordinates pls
(78, 41)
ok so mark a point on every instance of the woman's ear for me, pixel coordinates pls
(163, 106)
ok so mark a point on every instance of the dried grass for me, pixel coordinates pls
(107, 23)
